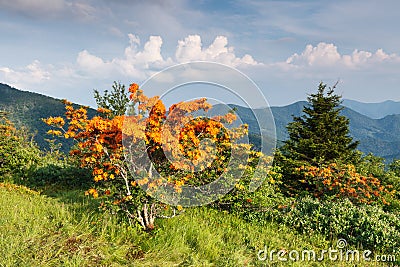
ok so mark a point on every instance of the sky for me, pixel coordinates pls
(67, 48)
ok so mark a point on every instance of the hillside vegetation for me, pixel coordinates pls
(320, 194)
(26, 109)
(380, 137)
(66, 230)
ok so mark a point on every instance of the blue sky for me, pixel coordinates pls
(67, 48)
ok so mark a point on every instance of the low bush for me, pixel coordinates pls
(366, 226)
(18, 154)
(22, 162)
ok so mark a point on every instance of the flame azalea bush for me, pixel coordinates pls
(149, 135)
(343, 181)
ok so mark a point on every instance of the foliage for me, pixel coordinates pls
(62, 172)
(23, 162)
(317, 138)
(393, 176)
(25, 110)
(100, 148)
(321, 135)
(241, 200)
(366, 226)
(343, 181)
(370, 165)
(116, 101)
(18, 154)
(395, 167)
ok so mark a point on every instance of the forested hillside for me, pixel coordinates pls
(26, 109)
(378, 136)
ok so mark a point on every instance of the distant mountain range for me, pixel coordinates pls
(375, 125)
(374, 110)
(378, 136)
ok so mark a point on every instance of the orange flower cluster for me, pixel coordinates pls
(344, 181)
(198, 145)
(192, 133)
(99, 139)
(92, 192)
(55, 121)
(6, 127)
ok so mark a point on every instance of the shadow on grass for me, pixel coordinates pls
(65, 183)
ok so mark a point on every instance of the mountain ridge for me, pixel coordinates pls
(377, 110)
(379, 136)
(26, 109)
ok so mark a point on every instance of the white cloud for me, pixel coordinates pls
(135, 63)
(91, 62)
(151, 52)
(321, 55)
(32, 74)
(191, 48)
(133, 39)
(365, 58)
(141, 63)
(327, 55)
(138, 63)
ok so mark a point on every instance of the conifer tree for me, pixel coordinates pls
(321, 134)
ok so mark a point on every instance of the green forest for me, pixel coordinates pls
(70, 197)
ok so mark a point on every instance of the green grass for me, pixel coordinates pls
(65, 229)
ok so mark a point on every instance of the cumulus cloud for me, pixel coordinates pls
(360, 58)
(139, 60)
(191, 48)
(321, 55)
(135, 63)
(92, 63)
(140, 63)
(32, 74)
(327, 55)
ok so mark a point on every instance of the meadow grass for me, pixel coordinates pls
(66, 229)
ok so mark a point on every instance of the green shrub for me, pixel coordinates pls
(23, 162)
(242, 200)
(365, 226)
(61, 173)
(18, 154)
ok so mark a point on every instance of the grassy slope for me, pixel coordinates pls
(66, 230)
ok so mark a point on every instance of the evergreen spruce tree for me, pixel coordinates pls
(321, 135)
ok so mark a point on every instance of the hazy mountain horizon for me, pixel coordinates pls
(379, 135)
